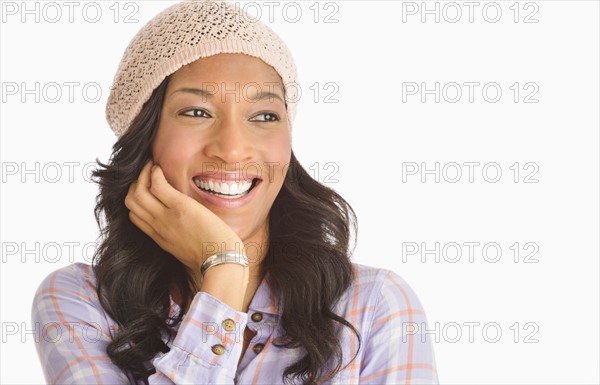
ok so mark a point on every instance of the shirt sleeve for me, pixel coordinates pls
(396, 349)
(75, 333)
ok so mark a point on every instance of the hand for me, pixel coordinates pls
(177, 223)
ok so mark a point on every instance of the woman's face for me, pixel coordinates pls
(224, 120)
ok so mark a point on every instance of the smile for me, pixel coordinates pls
(225, 190)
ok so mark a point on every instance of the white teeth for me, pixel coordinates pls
(238, 188)
(224, 188)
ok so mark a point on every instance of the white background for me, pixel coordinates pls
(372, 139)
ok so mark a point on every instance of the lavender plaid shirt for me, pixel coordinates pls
(208, 345)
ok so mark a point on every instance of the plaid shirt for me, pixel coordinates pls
(208, 344)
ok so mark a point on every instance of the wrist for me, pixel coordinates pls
(227, 282)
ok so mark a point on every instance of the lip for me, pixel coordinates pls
(213, 200)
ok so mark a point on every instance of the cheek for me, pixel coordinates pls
(172, 152)
(277, 151)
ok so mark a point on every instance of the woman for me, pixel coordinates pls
(222, 260)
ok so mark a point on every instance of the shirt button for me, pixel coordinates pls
(257, 317)
(229, 324)
(258, 348)
(218, 349)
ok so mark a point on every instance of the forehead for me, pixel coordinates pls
(227, 67)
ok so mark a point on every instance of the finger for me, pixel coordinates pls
(141, 201)
(161, 189)
(142, 225)
(144, 176)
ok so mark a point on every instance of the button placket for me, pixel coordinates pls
(257, 317)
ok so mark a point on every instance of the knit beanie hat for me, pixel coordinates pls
(182, 34)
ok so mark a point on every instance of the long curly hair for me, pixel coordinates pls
(134, 276)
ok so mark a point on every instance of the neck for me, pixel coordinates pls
(256, 255)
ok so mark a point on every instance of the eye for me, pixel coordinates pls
(266, 117)
(196, 113)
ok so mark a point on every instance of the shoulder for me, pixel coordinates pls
(76, 276)
(377, 292)
(66, 292)
(395, 348)
(371, 277)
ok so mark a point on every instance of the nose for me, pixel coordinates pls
(230, 143)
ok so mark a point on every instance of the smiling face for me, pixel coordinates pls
(224, 120)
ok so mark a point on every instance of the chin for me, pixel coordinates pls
(240, 229)
(246, 231)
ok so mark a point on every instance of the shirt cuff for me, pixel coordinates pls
(212, 332)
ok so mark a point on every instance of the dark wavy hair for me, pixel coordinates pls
(308, 259)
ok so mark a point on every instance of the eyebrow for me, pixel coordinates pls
(195, 91)
(267, 95)
(261, 95)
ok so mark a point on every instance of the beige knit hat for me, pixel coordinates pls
(180, 35)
